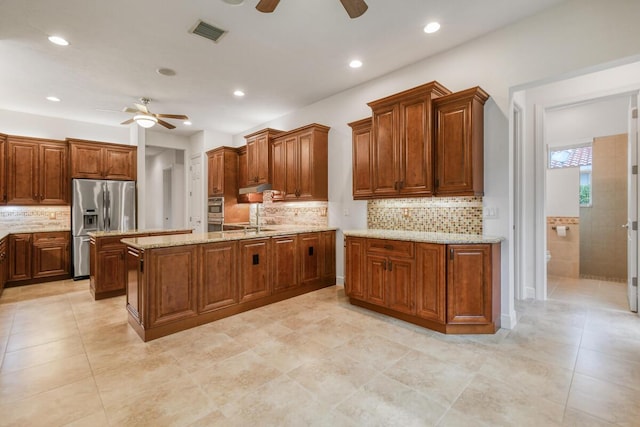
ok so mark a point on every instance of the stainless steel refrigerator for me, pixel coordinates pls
(99, 205)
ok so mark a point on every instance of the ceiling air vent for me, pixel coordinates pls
(208, 31)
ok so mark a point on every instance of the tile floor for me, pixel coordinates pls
(316, 360)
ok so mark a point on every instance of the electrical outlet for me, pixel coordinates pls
(346, 212)
(405, 212)
(490, 212)
(52, 215)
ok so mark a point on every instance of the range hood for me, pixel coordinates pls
(255, 189)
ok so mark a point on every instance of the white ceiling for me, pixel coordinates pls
(283, 61)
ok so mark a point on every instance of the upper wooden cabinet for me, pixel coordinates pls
(459, 143)
(97, 160)
(401, 142)
(362, 162)
(37, 171)
(259, 156)
(216, 172)
(300, 164)
(3, 168)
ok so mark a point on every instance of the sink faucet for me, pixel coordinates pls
(258, 217)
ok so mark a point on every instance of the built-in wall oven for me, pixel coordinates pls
(215, 213)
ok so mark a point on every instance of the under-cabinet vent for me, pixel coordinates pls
(208, 31)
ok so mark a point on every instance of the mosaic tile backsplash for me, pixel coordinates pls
(16, 217)
(289, 213)
(440, 215)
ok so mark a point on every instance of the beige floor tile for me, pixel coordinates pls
(373, 350)
(59, 406)
(619, 347)
(604, 400)
(541, 349)
(205, 351)
(575, 418)
(439, 381)
(43, 353)
(331, 332)
(609, 368)
(231, 379)
(492, 402)
(333, 378)
(386, 402)
(212, 419)
(28, 382)
(455, 418)
(290, 351)
(33, 338)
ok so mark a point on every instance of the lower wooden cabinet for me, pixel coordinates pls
(3, 263)
(174, 288)
(450, 288)
(37, 257)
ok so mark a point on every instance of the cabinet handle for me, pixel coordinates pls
(390, 266)
(141, 266)
(401, 185)
(310, 250)
(388, 247)
(451, 254)
(256, 259)
(384, 264)
(395, 185)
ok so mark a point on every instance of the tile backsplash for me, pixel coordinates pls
(33, 217)
(289, 213)
(441, 214)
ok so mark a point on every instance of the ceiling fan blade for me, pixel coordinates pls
(142, 108)
(267, 6)
(126, 122)
(130, 110)
(166, 124)
(354, 8)
(172, 116)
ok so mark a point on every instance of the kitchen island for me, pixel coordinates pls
(443, 281)
(177, 282)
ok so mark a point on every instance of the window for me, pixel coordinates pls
(571, 157)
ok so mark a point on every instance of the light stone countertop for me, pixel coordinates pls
(171, 240)
(423, 236)
(115, 233)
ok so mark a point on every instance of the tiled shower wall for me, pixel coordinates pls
(289, 213)
(34, 217)
(564, 250)
(436, 214)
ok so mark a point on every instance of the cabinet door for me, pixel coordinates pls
(86, 161)
(3, 170)
(215, 164)
(430, 282)
(285, 263)
(242, 174)
(291, 163)
(469, 284)
(172, 277)
(53, 177)
(252, 162)
(328, 259)
(254, 270)
(385, 151)
(354, 276)
(376, 268)
(120, 163)
(50, 256)
(306, 162)
(362, 173)
(262, 153)
(219, 283)
(19, 256)
(111, 266)
(310, 253)
(400, 292)
(279, 173)
(453, 145)
(416, 165)
(3, 263)
(22, 173)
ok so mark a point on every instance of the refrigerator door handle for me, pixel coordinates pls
(104, 207)
(108, 210)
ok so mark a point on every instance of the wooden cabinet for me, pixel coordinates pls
(20, 257)
(361, 156)
(223, 182)
(3, 263)
(401, 153)
(473, 285)
(459, 145)
(300, 164)
(3, 168)
(255, 280)
(285, 261)
(108, 265)
(97, 160)
(328, 257)
(216, 169)
(37, 171)
(259, 156)
(448, 288)
(50, 254)
(218, 286)
(37, 256)
(310, 252)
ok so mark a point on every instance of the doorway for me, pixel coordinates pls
(167, 184)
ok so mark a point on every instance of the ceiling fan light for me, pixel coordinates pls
(145, 121)
(432, 27)
(356, 63)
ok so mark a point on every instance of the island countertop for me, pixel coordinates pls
(423, 236)
(152, 242)
(115, 233)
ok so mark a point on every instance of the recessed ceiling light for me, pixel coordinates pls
(187, 123)
(234, 2)
(58, 40)
(53, 99)
(431, 27)
(238, 93)
(166, 72)
(356, 63)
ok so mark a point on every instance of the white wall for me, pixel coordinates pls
(563, 192)
(155, 166)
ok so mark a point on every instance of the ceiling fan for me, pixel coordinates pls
(354, 8)
(147, 119)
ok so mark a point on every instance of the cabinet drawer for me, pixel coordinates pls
(50, 237)
(391, 247)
